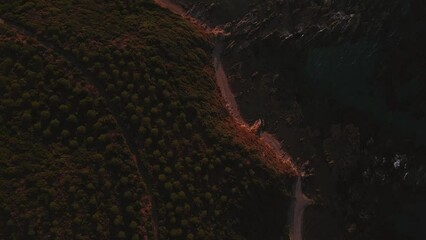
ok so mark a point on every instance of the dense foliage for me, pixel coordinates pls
(73, 170)
(108, 110)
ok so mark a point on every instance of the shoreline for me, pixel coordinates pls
(300, 201)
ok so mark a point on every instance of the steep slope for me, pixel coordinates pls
(131, 84)
(339, 82)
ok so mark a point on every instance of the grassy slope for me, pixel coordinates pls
(148, 74)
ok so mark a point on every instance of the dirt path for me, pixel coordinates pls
(173, 7)
(300, 200)
(115, 112)
(300, 203)
(223, 84)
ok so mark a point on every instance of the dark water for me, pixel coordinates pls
(347, 73)
(411, 221)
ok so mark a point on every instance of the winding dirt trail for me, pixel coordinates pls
(300, 200)
(223, 84)
(173, 7)
(300, 203)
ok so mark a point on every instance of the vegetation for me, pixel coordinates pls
(64, 162)
(105, 106)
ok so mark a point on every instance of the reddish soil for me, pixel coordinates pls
(273, 155)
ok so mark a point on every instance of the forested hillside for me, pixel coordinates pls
(111, 128)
